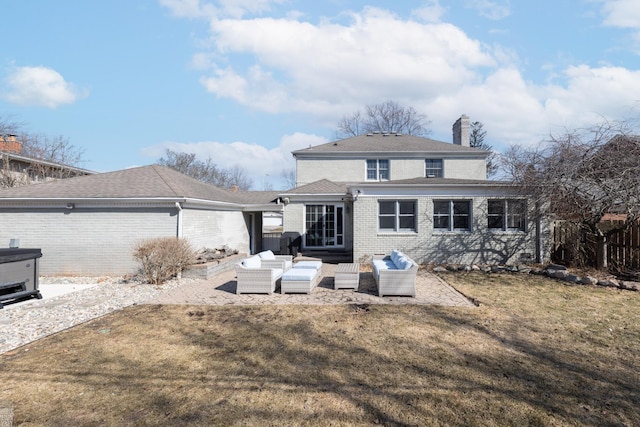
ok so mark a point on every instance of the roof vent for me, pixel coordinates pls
(398, 134)
(376, 132)
(369, 134)
(335, 143)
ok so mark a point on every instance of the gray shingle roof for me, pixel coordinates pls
(141, 182)
(323, 186)
(391, 143)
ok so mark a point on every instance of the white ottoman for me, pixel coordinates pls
(299, 280)
(308, 264)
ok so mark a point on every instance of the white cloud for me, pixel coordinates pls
(39, 86)
(622, 13)
(263, 165)
(432, 11)
(331, 68)
(302, 67)
(495, 10)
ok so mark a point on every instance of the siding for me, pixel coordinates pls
(354, 170)
(481, 245)
(86, 241)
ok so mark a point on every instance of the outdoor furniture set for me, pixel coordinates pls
(394, 274)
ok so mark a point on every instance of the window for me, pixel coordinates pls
(452, 215)
(378, 169)
(397, 215)
(506, 215)
(433, 168)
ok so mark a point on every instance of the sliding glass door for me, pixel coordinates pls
(324, 226)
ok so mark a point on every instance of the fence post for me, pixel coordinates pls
(601, 252)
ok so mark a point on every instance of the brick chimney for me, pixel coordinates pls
(462, 131)
(10, 143)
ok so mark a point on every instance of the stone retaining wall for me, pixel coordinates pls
(210, 269)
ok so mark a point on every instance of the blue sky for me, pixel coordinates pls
(248, 81)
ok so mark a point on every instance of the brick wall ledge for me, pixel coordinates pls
(208, 270)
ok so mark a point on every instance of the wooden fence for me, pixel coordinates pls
(618, 249)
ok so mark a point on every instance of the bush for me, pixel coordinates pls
(162, 258)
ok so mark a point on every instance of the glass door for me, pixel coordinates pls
(324, 226)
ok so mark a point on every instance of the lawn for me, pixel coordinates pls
(535, 352)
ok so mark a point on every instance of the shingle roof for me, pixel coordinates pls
(388, 143)
(323, 186)
(141, 182)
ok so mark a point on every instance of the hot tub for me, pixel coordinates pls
(19, 274)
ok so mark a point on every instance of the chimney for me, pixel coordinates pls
(10, 143)
(462, 131)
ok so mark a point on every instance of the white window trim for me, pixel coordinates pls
(425, 167)
(377, 178)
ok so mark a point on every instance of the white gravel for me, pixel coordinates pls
(71, 302)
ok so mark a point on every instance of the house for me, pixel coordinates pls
(88, 225)
(17, 169)
(357, 197)
(376, 192)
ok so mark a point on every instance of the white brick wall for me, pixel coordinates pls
(481, 245)
(99, 241)
(85, 242)
(213, 229)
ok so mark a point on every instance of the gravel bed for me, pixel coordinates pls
(35, 319)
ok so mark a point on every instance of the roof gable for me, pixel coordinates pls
(323, 186)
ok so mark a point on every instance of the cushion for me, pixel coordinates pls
(300, 274)
(395, 254)
(276, 273)
(383, 264)
(308, 264)
(404, 263)
(267, 255)
(252, 262)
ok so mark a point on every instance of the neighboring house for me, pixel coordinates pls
(88, 225)
(17, 170)
(373, 193)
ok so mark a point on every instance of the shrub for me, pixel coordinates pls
(163, 257)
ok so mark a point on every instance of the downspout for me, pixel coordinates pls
(179, 208)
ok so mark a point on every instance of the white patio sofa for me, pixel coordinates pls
(254, 278)
(269, 260)
(395, 274)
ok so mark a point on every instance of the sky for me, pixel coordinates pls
(246, 82)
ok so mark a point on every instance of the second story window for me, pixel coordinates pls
(378, 170)
(433, 168)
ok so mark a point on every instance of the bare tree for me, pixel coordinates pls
(582, 175)
(477, 140)
(289, 177)
(45, 157)
(388, 116)
(206, 171)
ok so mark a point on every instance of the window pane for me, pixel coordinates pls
(461, 208)
(441, 207)
(387, 208)
(495, 221)
(433, 168)
(372, 169)
(407, 208)
(515, 214)
(461, 222)
(387, 222)
(407, 223)
(383, 167)
(496, 207)
(441, 222)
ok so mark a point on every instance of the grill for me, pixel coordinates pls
(19, 274)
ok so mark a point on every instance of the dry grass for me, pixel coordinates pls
(536, 352)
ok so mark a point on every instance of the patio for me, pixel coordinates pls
(430, 290)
